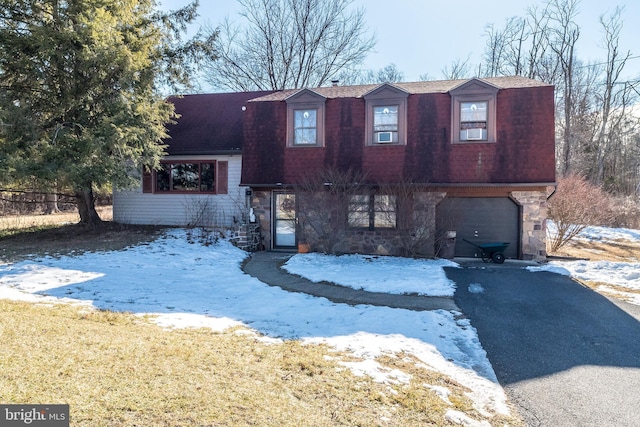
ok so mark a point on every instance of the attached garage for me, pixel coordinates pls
(480, 220)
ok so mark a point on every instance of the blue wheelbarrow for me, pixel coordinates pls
(491, 251)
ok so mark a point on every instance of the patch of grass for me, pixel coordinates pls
(611, 290)
(14, 224)
(616, 251)
(115, 369)
(54, 239)
(418, 396)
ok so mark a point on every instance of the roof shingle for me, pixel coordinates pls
(432, 86)
(208, 123)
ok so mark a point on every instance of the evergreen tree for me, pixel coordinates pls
(80, 104)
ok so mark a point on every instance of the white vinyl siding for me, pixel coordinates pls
(136, 207)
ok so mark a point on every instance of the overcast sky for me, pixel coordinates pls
(425, 36)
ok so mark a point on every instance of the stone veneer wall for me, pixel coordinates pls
(534, 230)
(261, 204)
(247, 237)
(394, 242)
(376, 242)
(386, 242)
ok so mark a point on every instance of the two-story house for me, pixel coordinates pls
(474, 156)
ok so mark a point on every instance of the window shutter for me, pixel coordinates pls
(147, 181)
(222, 178)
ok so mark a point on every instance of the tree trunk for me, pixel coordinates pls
(51, 202)
(86, 207)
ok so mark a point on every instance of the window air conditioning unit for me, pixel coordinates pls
(474, 134)
(384, 137)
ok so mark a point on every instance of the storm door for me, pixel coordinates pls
(284, 220)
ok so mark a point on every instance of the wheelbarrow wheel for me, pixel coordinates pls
(497, 257)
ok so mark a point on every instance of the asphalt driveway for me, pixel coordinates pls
(565, 355)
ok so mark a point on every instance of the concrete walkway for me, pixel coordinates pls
(265, 266)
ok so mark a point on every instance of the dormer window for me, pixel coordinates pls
(473, 106)
(305, 119)
(305, 124)
(473, 121)
(385, 124)
(386, 120)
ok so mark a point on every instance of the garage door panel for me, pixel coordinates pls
(481, 219)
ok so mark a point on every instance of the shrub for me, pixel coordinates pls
(323, 201)
(414, 218)
(626, 212)
(575, 205)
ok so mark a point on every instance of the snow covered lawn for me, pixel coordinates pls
(376, 274)
(614, 278)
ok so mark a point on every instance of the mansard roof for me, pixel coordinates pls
(208, 123)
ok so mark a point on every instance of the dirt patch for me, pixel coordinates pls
(73, 239)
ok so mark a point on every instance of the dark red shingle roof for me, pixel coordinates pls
(208, 123)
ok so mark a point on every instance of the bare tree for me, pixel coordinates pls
(387, 74)
(458, 69)
(595, 120)
(522, 47)
(613, 96)
(563, 37)
(584, 117)
(414, 217)
(540, 64)
(288, 44)
(505, 49)
(493, 52)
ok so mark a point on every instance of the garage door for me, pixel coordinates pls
(480, 219)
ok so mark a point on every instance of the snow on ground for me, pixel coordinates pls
(183, 284)
(605, 234)
(622, 275)
(392, 275)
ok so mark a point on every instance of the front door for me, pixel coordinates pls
(284, 220)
